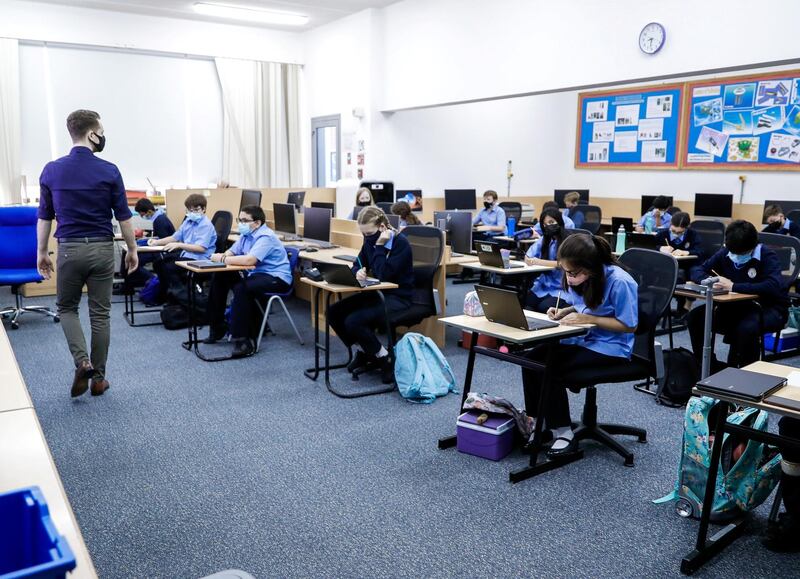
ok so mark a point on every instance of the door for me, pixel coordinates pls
(325, 150)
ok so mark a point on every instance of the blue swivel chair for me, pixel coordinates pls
(294, 256)
(18, 259)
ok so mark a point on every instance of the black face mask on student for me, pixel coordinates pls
(98, 147)
(774, 227)
(552, 229)
(487, 204)
(372, 239)
(363, 203)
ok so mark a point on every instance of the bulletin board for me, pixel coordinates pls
(635, 128)
(743, 122)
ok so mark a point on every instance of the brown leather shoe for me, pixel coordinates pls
(80, 383)
(99, 386)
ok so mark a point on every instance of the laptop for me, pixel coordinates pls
(489, 254)
(740, 383)
(205, 264)
(337, 274)
(698, 289)
(642, 240)
(626, 222)
(502, 307)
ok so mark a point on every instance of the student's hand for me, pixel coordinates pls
(576, 319)
(384, 237)
(361, 274)
(680, 252)
(668, 249)
(132, 261)
(216, 257)
(45, 265)
(556, 314)
(172, 246)
(724, 284)
(531, 260)
(152, 241)
(535, 234)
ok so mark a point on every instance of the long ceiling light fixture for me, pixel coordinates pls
(250, 14)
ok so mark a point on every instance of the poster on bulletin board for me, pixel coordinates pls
(744, 122)
(634, 128)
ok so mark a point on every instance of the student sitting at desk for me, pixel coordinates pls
(491, 220)
(388, 258)
(363, 199)
(778, 223)
(572, 210)
(547, 286)
(603, 294)
(784, 537)
(403, 210)
(568, 223)
(195, 239)
(162, 226)
(679, 240)
(257, 246)
(743, 265)
(657, 218)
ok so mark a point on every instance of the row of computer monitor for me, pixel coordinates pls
(316, 220)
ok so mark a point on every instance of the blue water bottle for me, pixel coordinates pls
(649, 222)
(620, 240)
(511, 223)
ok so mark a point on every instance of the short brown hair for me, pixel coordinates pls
(195, 200)
(80, 122)
(491, 193)
(572, 197)
(771, 210)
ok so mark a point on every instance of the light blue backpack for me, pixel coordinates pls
(421, 370)
(742, 484)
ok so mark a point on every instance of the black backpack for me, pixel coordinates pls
(681, 373)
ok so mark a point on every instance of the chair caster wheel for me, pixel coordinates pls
(643, 440)
(14, 325)
(56, 319)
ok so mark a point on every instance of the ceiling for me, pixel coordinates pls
(319, 11)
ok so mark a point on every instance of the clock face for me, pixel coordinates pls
(652, 38)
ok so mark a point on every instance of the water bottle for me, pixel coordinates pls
(649, 223)
(512, 225)
(620, 240)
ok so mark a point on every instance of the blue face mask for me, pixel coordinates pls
(192, 216)
(740, 260)
(673, 237)
(244, 229)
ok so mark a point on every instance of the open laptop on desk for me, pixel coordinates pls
(337, 274)
(740, 383)
(489, 254)
(700, 290)
(502, 307)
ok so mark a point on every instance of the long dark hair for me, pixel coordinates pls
(546, 238)
(591, 254)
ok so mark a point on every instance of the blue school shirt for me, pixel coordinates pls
(575, 215)
(197, 233)
(548, 283)
(494, 216)
(666, 219)
(265, 246)
(620, 301)
(568, 224)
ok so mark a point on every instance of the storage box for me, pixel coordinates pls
(30, 546)
(493, 439)
(788, 340)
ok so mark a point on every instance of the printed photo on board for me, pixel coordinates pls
(711, 141)
(737, 122)
(743, 150)
(739, 96)
(707, 112)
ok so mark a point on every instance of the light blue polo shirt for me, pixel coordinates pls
(666, 219)
(197, 233)
(265, 246)
(620, 301)
(547, 283)
(568, 224)
(494, 217)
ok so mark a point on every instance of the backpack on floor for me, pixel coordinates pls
(681, 373)
(748, 470)
(149, 293)
(175, 317)
(420, 369)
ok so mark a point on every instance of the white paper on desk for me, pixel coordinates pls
(793, 379)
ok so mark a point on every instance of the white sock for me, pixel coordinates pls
(383, 352)
(565, 432)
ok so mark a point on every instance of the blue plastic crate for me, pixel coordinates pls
(30, 546)
(789, 339)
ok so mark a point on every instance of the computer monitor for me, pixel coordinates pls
(323, 205)
(250, 197)
(296, 198)
(647, 202)
(786, 205)
(455, 199)
(382, 191)
(317, 224)
(458, 226)
(625, 222)
(558, 196)
(284, 218)
(401, 194)
(394, 220)
(713, 205)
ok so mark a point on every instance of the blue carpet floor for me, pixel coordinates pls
(186, 468)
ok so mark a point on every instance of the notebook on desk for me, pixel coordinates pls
(739, 383)
(205, 264)
(700, 290)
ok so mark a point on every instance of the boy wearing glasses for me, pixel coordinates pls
(257, 246)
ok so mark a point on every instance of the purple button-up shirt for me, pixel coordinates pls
(80, 191)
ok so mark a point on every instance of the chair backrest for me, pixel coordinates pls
(18, 237)
(656, 274)
(512, 209)
(787, 247)
(712, 235)
(793, 215)
(576, 231)
(673, 210)
(385, 206)
(592, 217)
(427, 249)
(223, 223)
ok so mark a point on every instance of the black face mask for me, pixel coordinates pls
(363, 203)
(372, 239)
(773, 227)
(487, 204)
(98, 147)
(552, 229)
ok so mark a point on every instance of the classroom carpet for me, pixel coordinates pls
(186, 468)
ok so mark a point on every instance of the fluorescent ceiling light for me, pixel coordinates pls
(251, 14)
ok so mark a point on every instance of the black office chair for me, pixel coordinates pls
(673, 210)
(576, 231)
(512, 209)
(592, 217)
(385, 206)
(794, 216)
(787, 248)
(712, 235)
(656, 273)
(223, 223)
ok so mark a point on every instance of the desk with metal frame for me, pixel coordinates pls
(129, 296)
(193, 342)
(549, 337)
(706, 548)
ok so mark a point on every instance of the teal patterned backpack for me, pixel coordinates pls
(748, 471)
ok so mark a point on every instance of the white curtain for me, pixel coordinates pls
(10, 164)
(261, 123)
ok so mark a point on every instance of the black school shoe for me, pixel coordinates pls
(571, 448)
(242, 348)
(782, 535)
(387, 369)
(215, 335)
(360, 360)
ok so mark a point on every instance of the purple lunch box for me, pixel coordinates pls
(493, 439)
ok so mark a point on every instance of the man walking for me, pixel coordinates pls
(81, 191)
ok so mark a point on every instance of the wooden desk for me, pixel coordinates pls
(525, 269)
(705, 548)
(339, 291)
(548, 337)
(718, 299)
